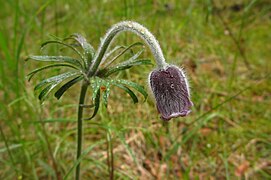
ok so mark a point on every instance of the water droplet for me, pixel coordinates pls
(172, 86)
(142, 32)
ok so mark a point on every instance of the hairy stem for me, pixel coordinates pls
(136, 28)
(83, 92)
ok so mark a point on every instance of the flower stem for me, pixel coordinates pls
(133, 27)
(83, 92)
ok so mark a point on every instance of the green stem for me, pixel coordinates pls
(83, 92)
(110, 155)
(133, 27)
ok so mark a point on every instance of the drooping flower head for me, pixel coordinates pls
(171, 92)
(168, 82)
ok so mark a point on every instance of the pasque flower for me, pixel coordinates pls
(171, 91)
(94, 69)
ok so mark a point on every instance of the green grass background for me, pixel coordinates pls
(225, 49)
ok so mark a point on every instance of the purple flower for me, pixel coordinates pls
(171, 92)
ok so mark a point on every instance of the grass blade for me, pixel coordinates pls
(209, 117)
(78, 161)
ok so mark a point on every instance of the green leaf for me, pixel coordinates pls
(64, 44)
(134, 85)
(122, 52)
(129, 91)
(134, 57)
(44, 93)
(65, 59)
(97, 104)
(108, 54)
(31, 74)
(104, 86)
(55, 79)
(52, 83)
(96, 96)
(106, 95)
(66, 86)
(88, 49)
(123, 66)
(96, 83)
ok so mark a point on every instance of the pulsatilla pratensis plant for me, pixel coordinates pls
(94, 69)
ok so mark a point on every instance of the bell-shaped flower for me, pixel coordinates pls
(171, 92)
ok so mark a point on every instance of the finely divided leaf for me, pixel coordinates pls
(31, 74)
(96, 97)
(66, 86)
(134, 57)
(55, 79)
(108, 54)
(65, 59)
(64, 44)
(106, 93)
(122, 52)
(127, 90)
(97, 104)
(134, 85)
(87, 48)
(104, 86)
(125, 65)
(44, 93)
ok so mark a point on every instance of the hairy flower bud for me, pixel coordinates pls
(171, 92)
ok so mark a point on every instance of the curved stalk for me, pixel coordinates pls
(155, 48)
(83, 92)
(136, 28)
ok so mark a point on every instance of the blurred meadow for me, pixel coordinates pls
(225, 48)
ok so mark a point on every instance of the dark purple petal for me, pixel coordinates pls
(171, 92)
